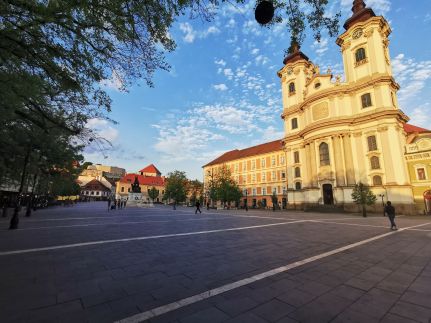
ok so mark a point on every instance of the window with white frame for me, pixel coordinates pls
(253, 191)
(273, 176)
(274, 190)
(244, 165)
(283, 175)
(263, 162)
(263, 176)
(273, 161)
(264, 191)
(282, 160)
(253, 177)
(253, 164)
(236, 167)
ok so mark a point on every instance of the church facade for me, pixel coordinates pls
(339, 133)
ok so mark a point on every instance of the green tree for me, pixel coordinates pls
(362, 195)
(195, 190)
(153, 193)
(226, 189)
(176, 187)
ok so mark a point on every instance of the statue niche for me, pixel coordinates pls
(135, 186)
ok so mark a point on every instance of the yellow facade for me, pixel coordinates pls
(341, 132)
(418, 157)
(258, 176)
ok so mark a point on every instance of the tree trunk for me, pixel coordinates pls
(15, 218)
(364, 210)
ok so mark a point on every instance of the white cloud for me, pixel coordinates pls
(421, 116)
(228, 73)
(189, 33)
(220, 62)
(320, 47)
(231, 23)
(411, 75)
(114, 83)
(220, 87)
(261, 60)
(255, 51)
(103, 129)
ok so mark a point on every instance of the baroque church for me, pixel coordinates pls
(337, 133)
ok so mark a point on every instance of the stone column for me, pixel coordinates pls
(313, 165)
(339, 168)
(350, 172)
(387, 156)
(308, 165)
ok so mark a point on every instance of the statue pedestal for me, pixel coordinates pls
(134, 199)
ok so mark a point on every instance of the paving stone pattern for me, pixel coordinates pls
(387, 280)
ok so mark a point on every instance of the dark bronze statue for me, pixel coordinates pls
(135, 186)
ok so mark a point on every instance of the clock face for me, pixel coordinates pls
(357, 33)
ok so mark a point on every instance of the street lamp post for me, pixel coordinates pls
(383, 203)
(246, 200)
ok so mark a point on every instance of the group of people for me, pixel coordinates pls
(116, 204)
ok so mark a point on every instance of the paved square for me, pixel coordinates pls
(87, 264)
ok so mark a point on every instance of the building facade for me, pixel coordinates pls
(148, 178)
(339, 133)
(95, 190)
(418, 158)
(259, 171)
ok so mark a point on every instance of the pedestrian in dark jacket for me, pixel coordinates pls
(109, 204)
(390, 212)
(198, 205)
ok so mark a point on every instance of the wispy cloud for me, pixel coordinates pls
(220, 87)
(412, 76)
(190, 34)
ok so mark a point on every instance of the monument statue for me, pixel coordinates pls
(135, 186)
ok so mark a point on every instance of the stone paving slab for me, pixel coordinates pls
(387, 279)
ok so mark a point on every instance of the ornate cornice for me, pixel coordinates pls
(344, 121)
(345, 89)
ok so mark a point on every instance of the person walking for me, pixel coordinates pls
(109, 203)
(390, 212)
(208, 206)
(198, 205)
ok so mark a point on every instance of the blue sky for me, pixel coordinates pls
(223, 93)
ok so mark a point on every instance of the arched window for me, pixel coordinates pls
(298, 185)
(360, 55)
(375, 163)
(377, 180)
(291, 87)
(297, 172)
(372, 143)
(294, 123)
(324, 154)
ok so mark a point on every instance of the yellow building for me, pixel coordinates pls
(418, 157)
(338, 133)
(259, 171)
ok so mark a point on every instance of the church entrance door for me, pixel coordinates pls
(328, 197)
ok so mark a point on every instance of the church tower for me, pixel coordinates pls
(339, 133)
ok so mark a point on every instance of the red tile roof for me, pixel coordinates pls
(247, 152)
(150, 169)
(143, 180)
(409, 128)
